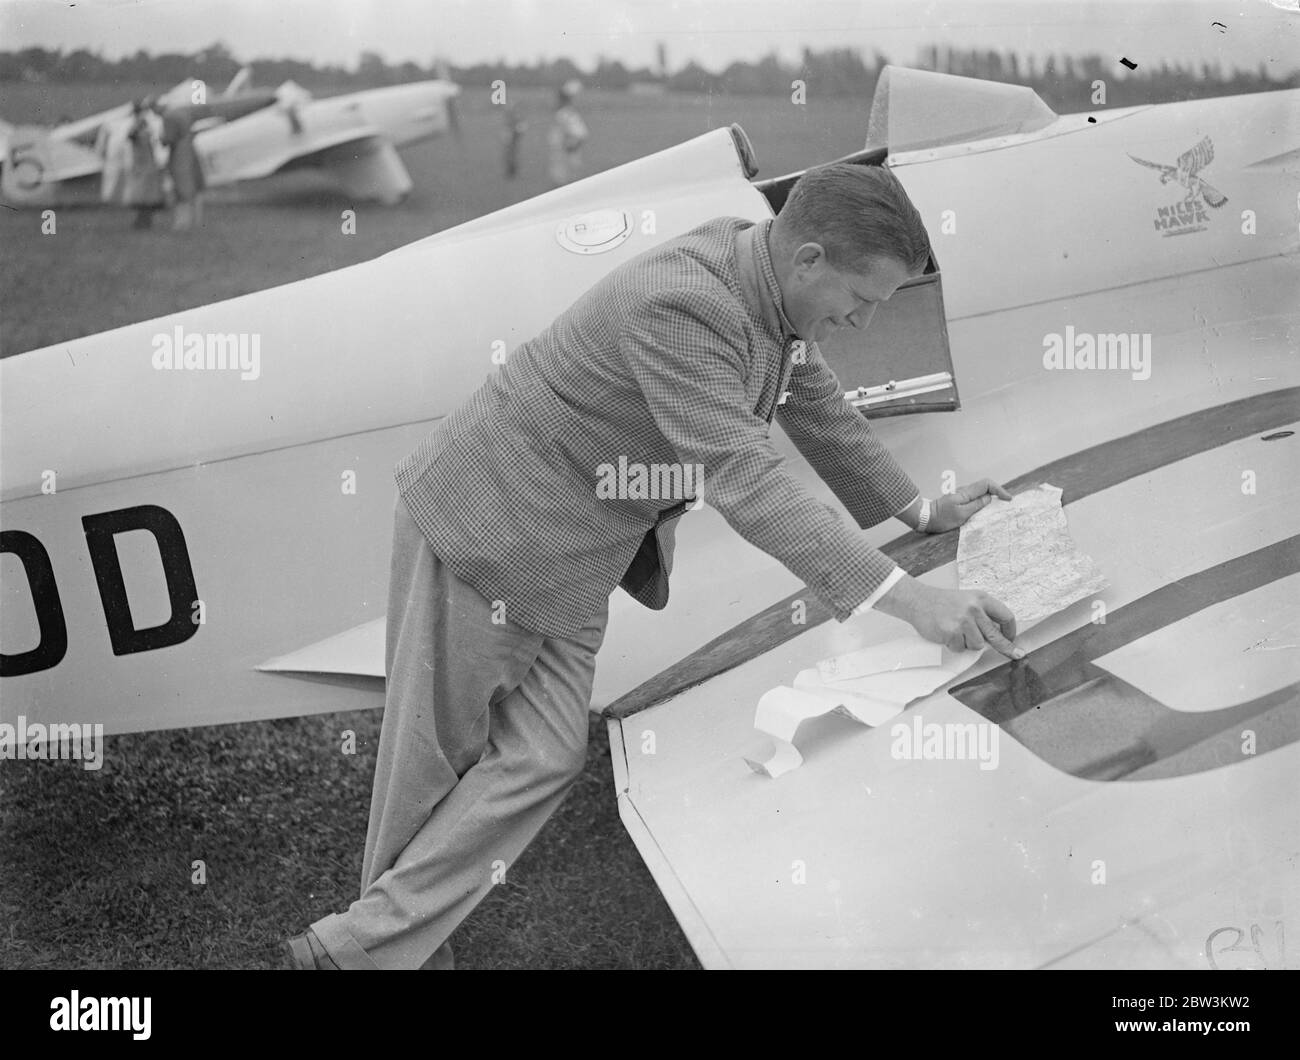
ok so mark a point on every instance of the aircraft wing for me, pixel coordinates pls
(39, 169)
(862, 857)
(84, 130)
(356, 654)
(366, 166)
(1177, 717)
(256, 146)
(61, 160)
(357, 154)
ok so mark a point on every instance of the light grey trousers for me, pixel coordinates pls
(484, 731)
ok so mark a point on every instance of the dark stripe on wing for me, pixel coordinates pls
(1079, 475)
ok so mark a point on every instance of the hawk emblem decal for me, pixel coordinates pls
(1189, 214)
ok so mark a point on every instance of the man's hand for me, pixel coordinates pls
(953, 509)
(958, 619)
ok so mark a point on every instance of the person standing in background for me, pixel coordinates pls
(183, 165)
(113, 145)
(142, 182)
(568, 134)
(511, 135)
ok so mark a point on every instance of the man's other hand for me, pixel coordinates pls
(959, 619)
(953, 509)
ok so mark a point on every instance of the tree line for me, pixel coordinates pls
(1064, 82)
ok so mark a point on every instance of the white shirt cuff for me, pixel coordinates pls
(907, 505)
(883, 588)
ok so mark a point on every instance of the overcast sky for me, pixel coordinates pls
(713, 32)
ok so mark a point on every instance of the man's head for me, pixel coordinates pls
(846, 239)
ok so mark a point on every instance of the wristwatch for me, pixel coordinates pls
(924, 520)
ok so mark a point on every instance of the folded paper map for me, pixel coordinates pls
(870, 686)
(1021, 552)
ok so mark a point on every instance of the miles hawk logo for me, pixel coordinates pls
(1189, 214)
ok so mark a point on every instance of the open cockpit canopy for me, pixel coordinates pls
(914, 109)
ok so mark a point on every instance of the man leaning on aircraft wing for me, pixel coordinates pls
(505, 549)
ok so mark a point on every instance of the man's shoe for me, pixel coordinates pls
(305, 952)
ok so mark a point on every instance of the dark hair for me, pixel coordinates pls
(856, 213)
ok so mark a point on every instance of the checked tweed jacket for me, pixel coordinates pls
(662, 362)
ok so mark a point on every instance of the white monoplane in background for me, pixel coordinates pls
(244, 134)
